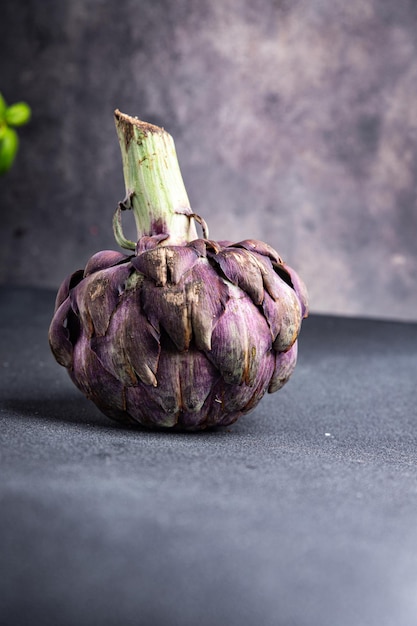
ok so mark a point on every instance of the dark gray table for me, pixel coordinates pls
(303, 513)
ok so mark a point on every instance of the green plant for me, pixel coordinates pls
(11, 116)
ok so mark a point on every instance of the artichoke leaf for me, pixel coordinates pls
(207, 297)
(104, 259)
(98, 384)
(69, 283)
(241, 339)
(166, 307)
(241, 269)
(291, 318)
(285, 363)
(259, 247)
(59, 338)
(130, 347)
(282, 311)
(299, 288)
(166, 264)
(97, 295)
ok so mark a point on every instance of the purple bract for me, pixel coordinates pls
(185, 337)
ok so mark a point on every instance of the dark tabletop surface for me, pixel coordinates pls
(303, 513)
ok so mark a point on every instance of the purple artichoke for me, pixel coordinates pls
(184, 332)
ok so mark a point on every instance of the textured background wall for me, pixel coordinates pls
(295, 122)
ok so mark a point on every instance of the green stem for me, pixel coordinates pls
(155, 190)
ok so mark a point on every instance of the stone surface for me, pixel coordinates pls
(295, 122)
(302, 513)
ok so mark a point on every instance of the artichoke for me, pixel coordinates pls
(182, 332)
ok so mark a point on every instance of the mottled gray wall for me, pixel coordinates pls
(295, 122)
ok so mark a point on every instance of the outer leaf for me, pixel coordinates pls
(240, 340)
(272, 310)
(228, 398)
(214, 408)
(266, 369)
(111, 350)
(142, 405)
(168, 391)
(284, 315)
(69, 283)
(196, 375)
(8, 149)
(299, 288)
(152, 264)
(59, 335)
(260, 247)
(148, 243)
(102, 260)
(166, 264)
(97, 383)
(241, 269)
(166, 307)
(291, 324)
(3, 107)
(140, 341)
(17, 114)
(199, 245)
(207, 296)
(96, 297)
(130, 345)
(284, 366)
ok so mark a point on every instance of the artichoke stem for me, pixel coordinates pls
(155, 190)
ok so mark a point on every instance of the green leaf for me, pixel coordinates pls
(3, 107)
(8, 149)
(17, 114)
